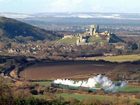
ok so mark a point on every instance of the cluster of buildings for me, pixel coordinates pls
(24, 49)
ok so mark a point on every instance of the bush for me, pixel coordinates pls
(73, 101)
(34, 92)
(30, 101)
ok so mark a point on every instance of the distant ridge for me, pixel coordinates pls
(129, 16)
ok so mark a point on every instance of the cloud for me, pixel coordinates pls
(65, 5)
(76, 5)
(5, 1)
(2, 0)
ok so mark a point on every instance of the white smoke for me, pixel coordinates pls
(99, 81)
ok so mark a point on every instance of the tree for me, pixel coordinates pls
(134, 46)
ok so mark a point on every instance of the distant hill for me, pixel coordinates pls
(20, 31)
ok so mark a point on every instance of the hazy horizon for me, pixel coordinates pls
(68, 12)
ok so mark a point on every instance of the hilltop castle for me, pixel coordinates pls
(92, 35)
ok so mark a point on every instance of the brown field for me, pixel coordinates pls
(74, 71)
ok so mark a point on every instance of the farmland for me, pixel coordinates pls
(73, 71)
(41, 74)
(64, 71)
(119, 58)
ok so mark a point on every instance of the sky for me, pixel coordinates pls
(41, 6)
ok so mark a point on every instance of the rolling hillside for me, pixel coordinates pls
(20, 31)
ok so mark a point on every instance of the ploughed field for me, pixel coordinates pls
(45, 71)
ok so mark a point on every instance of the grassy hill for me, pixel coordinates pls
(92, 40)
(68, 40)
(13, 29)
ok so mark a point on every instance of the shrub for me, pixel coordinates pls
(34, 92)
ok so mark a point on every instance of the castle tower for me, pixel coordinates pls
(94, 29)
(79, 40)
(97, 29)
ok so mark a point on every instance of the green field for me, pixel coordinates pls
(42, 83)
(90, 98)
(101, 98)
(82, 96)
(120, 58)
(130, 89)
